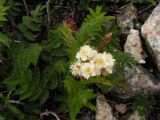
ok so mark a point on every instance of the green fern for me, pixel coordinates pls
(4, 39)
(142, 103)
(32, 83)
(21, 74)
(65, 34)
(78, 96)
(92, 24)
(32, 24)
(3, 12)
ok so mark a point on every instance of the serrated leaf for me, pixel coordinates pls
(4, 39)
(27, 34)
(44, 96)
(23, 89)
(25, 85)
(91, 106)
(74, 106)
(81, 98)
(60, 66)
(27, 56)
(53, 84)
(13, 81)
(78, 96)
(28, 93)
(36, 94)
(38, 11)
(92, 25)
(28, 23)
(15, 110)
(98, 80)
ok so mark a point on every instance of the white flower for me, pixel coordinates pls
(91, 63)
(84, 52)
(87, 70)
(97, 70)
(109, 59)
(107, 70)
(100, 60)
(92, 55)
(76, 68)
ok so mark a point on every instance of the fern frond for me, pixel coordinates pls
(92, 25)
(3, 11)
(32, 25)
(64, 34)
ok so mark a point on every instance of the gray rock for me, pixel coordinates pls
(104, 111)
(138, 80)
(151, 32)
(133, 45)
(86, 116)
(136, 116)
(125, 20)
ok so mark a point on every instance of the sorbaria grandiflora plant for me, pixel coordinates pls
(93, 59)
(61, 66)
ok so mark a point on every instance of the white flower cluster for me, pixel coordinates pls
(91, 63)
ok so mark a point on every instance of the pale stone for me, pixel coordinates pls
(133, 46)
(104, 111)
(136, 116)
(151, 32)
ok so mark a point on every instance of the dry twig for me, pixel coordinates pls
(16, 102)
(26, 7)
(47, 113)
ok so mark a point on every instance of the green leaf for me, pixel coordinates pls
(33, 84)
(27, 34)
(27, 56)
(78, 96)
(23, 89)
(16, 111)
(4, 39)
(91, 106)
(38, 11)
(36, 93)
(123, 59)
(92, 24)
(80, 99)
(28, 93)
(44, 96)
(2, 118)
(13, 81)
(24, 86)
(2, 2)
(66, 34)
(98, 80)
(28, 23)
(142, 103)
(60, 66)
(3, 12)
